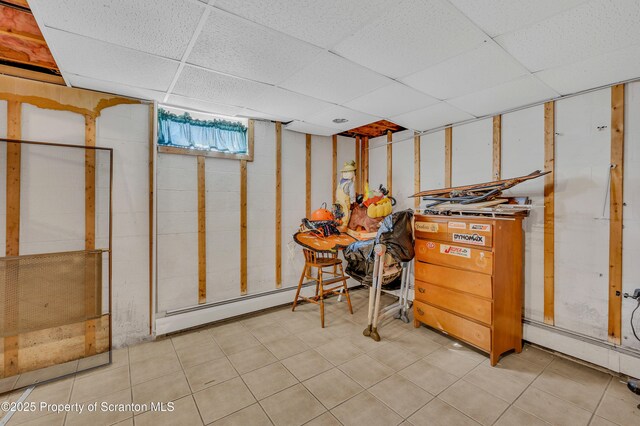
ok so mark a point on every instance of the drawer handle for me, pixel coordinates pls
(420, 311)
(421, 290)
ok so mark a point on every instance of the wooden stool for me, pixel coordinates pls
(321, 260)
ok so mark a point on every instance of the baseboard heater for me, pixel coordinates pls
(587, 348)
(194, 316)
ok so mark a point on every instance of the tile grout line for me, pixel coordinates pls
(188, 384)
(601, 399)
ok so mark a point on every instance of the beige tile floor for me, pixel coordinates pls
(281, 368)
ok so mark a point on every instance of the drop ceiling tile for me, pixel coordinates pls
(355, 118)
(391, 100)
(283, 102)
(250, 113)
(497, 17)
(235, 46)
(162, 28)
(431, 117)
(517, 93)
(588, 30)
(104, 61)
(334, 79)
(210, 86)
(486, 66)
(202, 106)
(411, 36)
(312, 129)
(322, 23)
(594, 72)
(83, 82)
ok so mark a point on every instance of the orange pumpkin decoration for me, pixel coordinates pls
(322, 214)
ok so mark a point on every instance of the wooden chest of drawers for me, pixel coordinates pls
(468, 280)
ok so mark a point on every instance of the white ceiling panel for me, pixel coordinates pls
(322, 23)
(410, 36)
(391, 100)
(510, 95)
(283, 102)
(312, 129)
(591, 29)
(103, 61)
(210, 86)
(334, 79)
(497, 17)
(431, 117)
(250, 113)
(233, 45)
(356, 118)
(594, 72)
(486, 66)
(162, 28)
(82, 82)
(202, 106)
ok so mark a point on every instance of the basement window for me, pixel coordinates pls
(195, 133)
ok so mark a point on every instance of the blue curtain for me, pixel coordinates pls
(212, 135)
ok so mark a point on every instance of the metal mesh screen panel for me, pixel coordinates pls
(49, 290)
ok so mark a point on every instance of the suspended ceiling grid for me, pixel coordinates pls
(418, 63)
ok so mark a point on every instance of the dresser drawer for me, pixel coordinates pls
(464, 304)
(457, 279)
(460, 232)
(468, 258)
(475, 334)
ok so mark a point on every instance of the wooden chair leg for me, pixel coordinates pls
(321, 297)
(295, 301)
(346, 290)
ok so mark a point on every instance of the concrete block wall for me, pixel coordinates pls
(177, 246)
(582, 216)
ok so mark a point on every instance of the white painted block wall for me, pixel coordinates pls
(177, 217)
(472, 153)
(582, 213)
(125, 128)
(582, 216)
(293, 203)
(402, 167)
(522, 153)
(631, 214)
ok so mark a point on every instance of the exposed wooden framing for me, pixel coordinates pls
(373, 130)
(358, 165)
(90, 232)
(59, 98)
(308, 176)
(416, 168)
(448, 142)
(365, 160)
(334, 166)
(497, 147)
(278, 204)
(243, 227)
(549, 212)
(152, 150)
(31, 75)
(389, 162)
(202, 232)
(251, 133)
(14, 131)
(615, 213)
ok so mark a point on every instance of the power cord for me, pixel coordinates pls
(635, 296)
